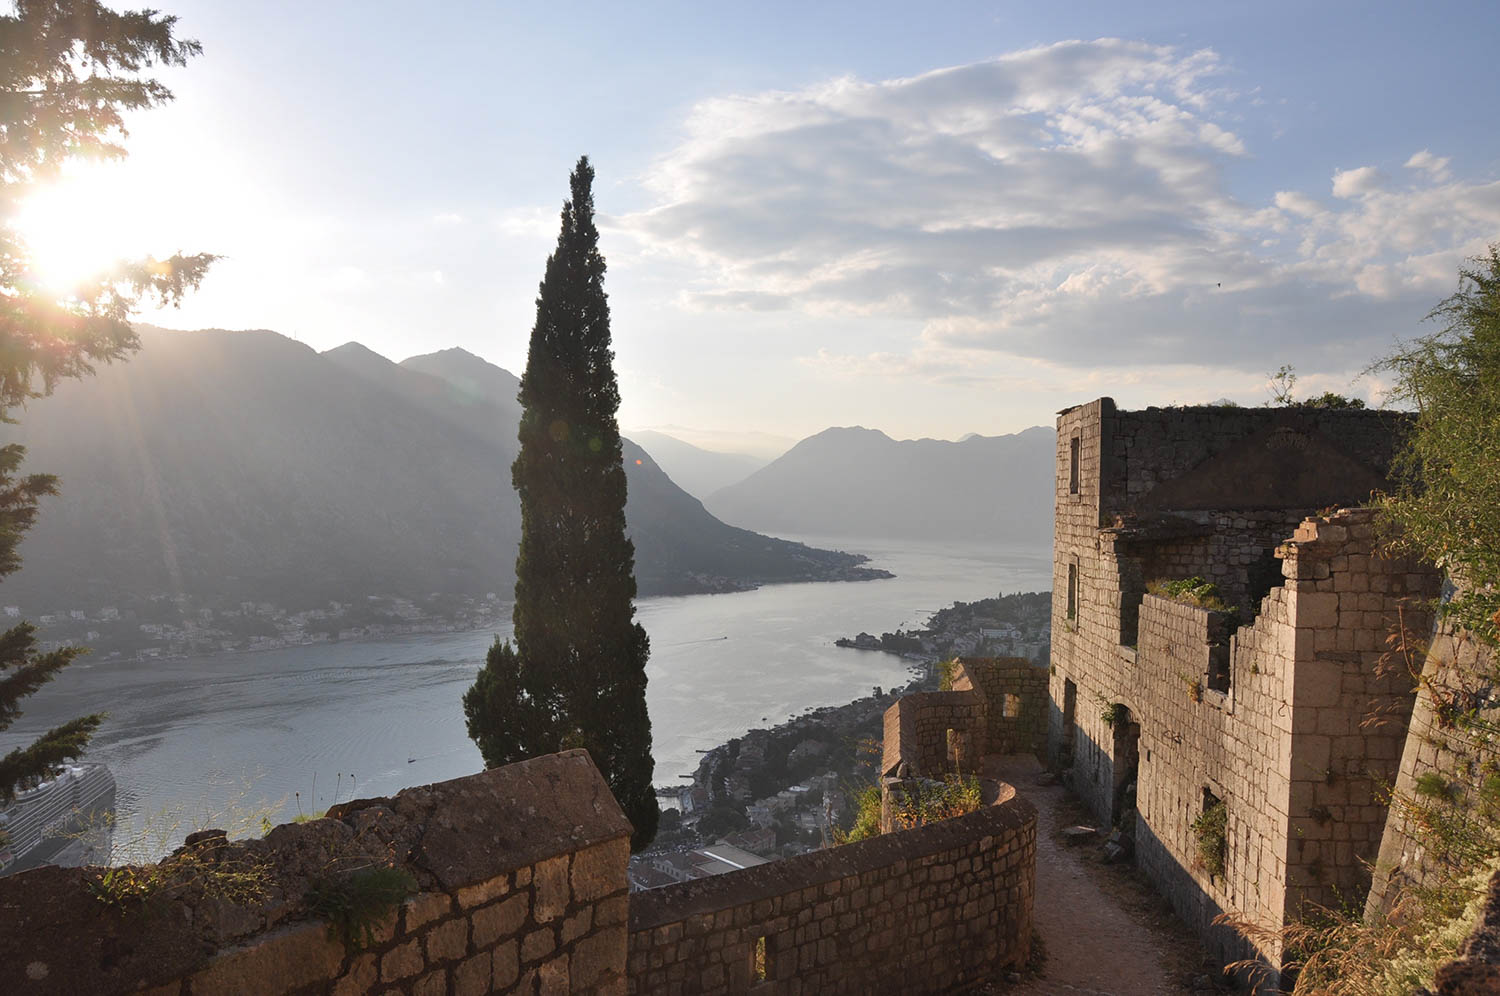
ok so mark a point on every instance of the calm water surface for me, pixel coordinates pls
(213, 740)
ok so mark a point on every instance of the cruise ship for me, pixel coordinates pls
(65, 820)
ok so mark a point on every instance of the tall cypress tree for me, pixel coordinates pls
(576, 676)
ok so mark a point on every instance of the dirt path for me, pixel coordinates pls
(1103, 933)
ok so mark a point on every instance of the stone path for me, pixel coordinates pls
(1095, 946)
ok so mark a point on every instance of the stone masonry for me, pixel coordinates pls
(1283, 710)
(939, 908)
(997, 705)
(521, 888)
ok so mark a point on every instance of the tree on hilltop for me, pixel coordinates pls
(1448, 504)
(69, 70)
(576, 676)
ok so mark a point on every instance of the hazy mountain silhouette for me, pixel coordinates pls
(696, 470)
(860, 482)
(235, 466)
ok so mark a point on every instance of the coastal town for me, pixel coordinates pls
(779, 792)
(176, 626)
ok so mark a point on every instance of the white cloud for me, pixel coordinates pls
(1357, 182)
(1434, 166)
(1067, 203)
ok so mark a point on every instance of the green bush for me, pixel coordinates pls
(1211, 830)
(1192, 591)
(355, 903)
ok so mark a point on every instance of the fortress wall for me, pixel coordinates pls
(1299, 747)
(1015, 695)
(917, 733)
(1455, 670)
(933, 909)
(521, 885)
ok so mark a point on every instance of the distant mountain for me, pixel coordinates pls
(698, 471)
(860, 482)
(244, 466)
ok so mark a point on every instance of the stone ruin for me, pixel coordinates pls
(518, 885)
(1247, 744)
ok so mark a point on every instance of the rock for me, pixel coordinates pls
(1013, 977)
(1203, 984)
(1047, 778)
(1113, 852)
(1078, 834)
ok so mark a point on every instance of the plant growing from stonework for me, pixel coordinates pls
(947, 671)
(1191, 591)
(866, 817)
(916, 805)
(355, 903)
(1112, 712)
(576, 675)
(1210, 831)
(69, 71)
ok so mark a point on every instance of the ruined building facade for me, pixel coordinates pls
(1279, 706)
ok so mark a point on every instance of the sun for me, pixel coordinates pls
(75, 228)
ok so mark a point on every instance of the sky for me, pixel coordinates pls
(929, 219)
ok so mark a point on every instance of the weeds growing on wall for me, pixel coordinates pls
(930, 802)
(355, 903)
(1191, 591)
(1341, 953)
(1211, 831)
(866, 817)
(131, 888)
(947, 671)
(1112, 712)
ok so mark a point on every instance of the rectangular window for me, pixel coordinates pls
(1218, 667)
(1073, 591)
(1073, 446)
(1010, 705)
(758, 968)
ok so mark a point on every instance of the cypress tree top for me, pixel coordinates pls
(577, 674)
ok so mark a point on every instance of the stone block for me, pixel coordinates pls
(424, 908)
(448, 941)
(494, 923)
(401, 962)
(507, 964)
(475, 976)
(551, 889)
(1316, 609)
(577, 925)
(599, 871)
(554, 977)
(434, 983)
(538, 944)
(360, 978)
(291, 959)
(480, 893)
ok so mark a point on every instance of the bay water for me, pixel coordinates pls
(232, 739)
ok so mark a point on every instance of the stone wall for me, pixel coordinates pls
(997, 705)
(521, 887)
(1456, 673)
(1299, 747)
(1014, 691)
(917, 733)
(934, 909)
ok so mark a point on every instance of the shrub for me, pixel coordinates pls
(355, 903)
(1211, 830)
(1191, 591)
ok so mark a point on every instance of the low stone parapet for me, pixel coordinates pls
(518, 884)
(938, 908)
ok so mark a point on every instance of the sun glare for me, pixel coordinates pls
(78, 226)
